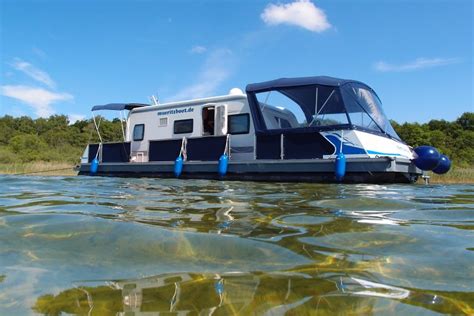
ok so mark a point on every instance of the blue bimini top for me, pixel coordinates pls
(118, 106)
(296, 82)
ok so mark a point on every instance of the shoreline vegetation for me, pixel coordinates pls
(52, 146)
(39, 168)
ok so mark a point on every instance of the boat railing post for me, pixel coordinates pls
(282, 147)
(101, 148)
(255, 146)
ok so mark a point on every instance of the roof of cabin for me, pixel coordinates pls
(300, 81)
(193, 102)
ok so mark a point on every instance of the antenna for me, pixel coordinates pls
(154, 100)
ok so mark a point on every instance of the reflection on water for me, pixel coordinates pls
(104, 246)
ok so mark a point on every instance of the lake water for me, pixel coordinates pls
(103, 246)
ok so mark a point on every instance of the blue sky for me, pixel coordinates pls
(62, 57)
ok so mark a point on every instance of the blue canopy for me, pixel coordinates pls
(118, 106)
(293, 82)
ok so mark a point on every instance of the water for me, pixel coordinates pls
(103, 246)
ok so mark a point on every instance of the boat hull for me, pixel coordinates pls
(358, 170)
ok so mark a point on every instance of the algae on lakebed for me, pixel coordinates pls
(98, 245)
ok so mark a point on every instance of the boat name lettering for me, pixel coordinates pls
(176, 111)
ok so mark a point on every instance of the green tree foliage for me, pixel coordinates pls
(23, 139)
(454, 139)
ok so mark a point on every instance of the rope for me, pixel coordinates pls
(183, 152)
(41, 171)
(226, 149)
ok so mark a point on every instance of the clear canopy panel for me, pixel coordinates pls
(302, 107)
(320, 105)
(365, 109)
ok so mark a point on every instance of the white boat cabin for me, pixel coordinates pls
(196, 119)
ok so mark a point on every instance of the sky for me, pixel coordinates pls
(63, 57)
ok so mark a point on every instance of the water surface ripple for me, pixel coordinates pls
(103, 246)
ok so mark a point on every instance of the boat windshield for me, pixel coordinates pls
(365, 109)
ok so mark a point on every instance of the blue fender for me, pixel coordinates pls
(178, 166)
(443, 166)
(223, 163)
(94, 166)
(340, 166)
(427, 157)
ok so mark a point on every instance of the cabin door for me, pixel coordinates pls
(214, 120)
(208, 120)
(220, 118)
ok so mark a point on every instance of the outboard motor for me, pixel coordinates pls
(427, 157)
(443, 166)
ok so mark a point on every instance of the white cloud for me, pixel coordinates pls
(198, 49)
(301, 13)
(38, 98)
(419, 63)
(33, 72)
(73, 118)
(215, 70)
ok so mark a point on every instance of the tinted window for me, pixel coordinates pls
(183, 126)
(239, 124)
(138, 132)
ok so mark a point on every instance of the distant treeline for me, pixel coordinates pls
(24, 139)
(454, 139)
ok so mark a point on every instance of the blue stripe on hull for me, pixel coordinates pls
(346, 149)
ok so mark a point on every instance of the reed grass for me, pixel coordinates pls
(455, 175)
(39, 168)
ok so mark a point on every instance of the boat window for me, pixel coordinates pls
(183, 126)
(138, 132)
(208, 118)
(362, 119)
(239, 124)
(365, 109)
(302, 107)
(163, 122)
(329, 119)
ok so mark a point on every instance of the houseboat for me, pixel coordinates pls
(311, 129)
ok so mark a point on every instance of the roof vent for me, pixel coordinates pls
(235, 91)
